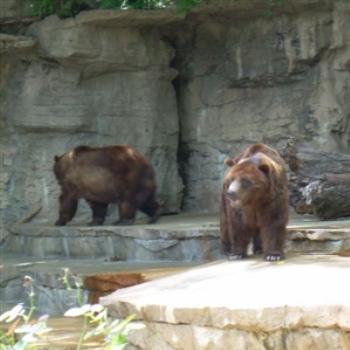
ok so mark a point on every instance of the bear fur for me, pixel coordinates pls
(103, 175)
(254, 204)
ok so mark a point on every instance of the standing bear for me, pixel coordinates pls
(254, 204)
(103, 175)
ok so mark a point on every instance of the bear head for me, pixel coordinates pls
(248, 179)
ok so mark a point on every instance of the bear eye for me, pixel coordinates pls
(246, 183)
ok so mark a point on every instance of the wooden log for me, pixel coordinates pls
(319, 182)
(102, 284)
(329, 197)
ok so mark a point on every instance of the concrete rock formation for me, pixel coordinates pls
(260, 79)
(185, 90)
(85, 84)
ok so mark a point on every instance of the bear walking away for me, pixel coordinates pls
(254, 204)
(103, 175)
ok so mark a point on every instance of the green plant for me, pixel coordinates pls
(62, 8)
(113, 332)
(71, 281)
(96, 315)
(69, 8)
(42, 7)
(135, 4)
(186, 5)
(22, 332)
(110, 4)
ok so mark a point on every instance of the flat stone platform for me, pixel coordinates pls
(177, 237)
(300, 304)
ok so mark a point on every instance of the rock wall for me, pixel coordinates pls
(262, 78)
(184, 90)
(84, 83)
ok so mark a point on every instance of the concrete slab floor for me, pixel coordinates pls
(168, 223)
(192, 220)
(217, 291)
(304, 279)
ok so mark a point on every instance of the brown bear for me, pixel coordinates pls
(103, 175)
(254, 204)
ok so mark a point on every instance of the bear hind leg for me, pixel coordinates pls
(127, 213)
(151, 208)
(99, 211)
(257, 247)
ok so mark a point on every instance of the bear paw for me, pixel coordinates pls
(153, 219)
(274, 257)
(95, 223)
(233, 257)
(60, 223)
(125, 222)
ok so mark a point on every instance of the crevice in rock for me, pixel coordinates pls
(182, 152)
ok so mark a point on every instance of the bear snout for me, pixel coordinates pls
(232, 191)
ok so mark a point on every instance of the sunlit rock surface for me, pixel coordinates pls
(300, 304)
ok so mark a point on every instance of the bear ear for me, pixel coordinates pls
(229, 162)
(260, 161)
(57, 158)
(264, 168)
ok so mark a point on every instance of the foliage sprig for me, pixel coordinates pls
(69, 8)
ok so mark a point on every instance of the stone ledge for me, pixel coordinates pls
(178, 237)
(15, 43)
(173, 238)
(204, 295)
(248, 300)
(129, 18)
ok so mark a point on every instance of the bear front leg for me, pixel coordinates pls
(234, 233)
(127, 213)
(68, 208)
(99, 211)
(241, 237)
(225, 240)
(273, 239)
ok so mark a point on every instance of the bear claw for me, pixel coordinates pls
(233, 257)
(273, 257)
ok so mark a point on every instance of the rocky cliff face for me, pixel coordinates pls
(264, 79)
(86, 84)
(184, 90)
